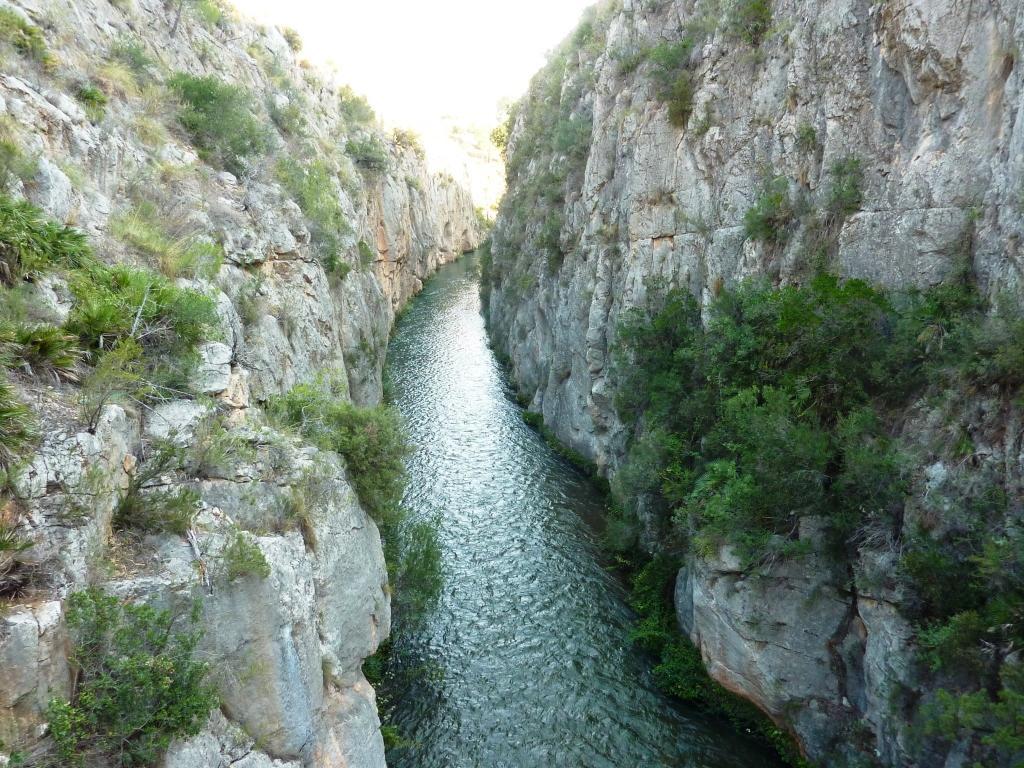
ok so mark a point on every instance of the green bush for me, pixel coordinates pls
(680, 100)
(117, 303)
(768, 220)
(29, 243)
(132, 54)
(26, 38)
(219, 118)
(355, 110)
(369, 153)
(293, 38)
(138, 685)
(749, 20)
(119, 375)
(408, 140)
(367, 256)
(17, 427)
(313, 187)
(15, 165)
(93, 99)
(243, 557)
(148, 509)
(187, 256)
(370, 440)
(40, 348)
(845, 194)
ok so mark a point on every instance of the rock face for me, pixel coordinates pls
(286, 650)
(926, 97)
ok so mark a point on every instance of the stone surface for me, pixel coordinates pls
(927, 95)
(288, 650)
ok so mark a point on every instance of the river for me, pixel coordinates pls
(526, 662)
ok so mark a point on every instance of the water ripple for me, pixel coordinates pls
(526, 662)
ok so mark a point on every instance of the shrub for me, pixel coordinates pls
(749, 20)
(15, 165)
(30, 244)
(289, 116)
(212, 13)
(370, 440)
(806, 138)
(219, 118)
(17, 427)
(93, 99)
(293, 39)
(120, 374)
(769, 218)
(138, 684)
(680, 101)
(148, 509)
(368, 153)
(408, 140)
(243, 557)
(313, 187)
(26, 38)
(41, 348)
(355, 110)
(367, 256)
(133, 55)
(187, 256)
(845, 194)
(118, 303)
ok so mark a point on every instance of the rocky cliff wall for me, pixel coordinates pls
(620, 172)
(285, 650)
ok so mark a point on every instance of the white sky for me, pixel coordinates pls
(419, 60)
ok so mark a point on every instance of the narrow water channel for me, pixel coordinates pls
(526, 662)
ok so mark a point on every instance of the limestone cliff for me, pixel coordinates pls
(106, 151)
(613, 181)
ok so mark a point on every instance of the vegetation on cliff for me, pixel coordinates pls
(777, 409)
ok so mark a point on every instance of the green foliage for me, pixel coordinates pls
(370, 440)
(806, 138)
(243, 557)
(39, 348)
(26, 38)
(313, 187)
(186, 256)
(212, 13)
(680, 670)
(367, 256)
(138, 683)
(408, 140)
(219, 118)
(117, 303)
(17, 427)
(749, 20)
(29, 243)
(293, 38)
(759, 419)
(845, 195)
(119, 375)
(369, 153)
(769, 218)
(148, 509)
(289, 116)
(373, 445)
(355, 110)
(132, 54)
(680, 101)
(999, 719)
(15, 165)
(93, 99)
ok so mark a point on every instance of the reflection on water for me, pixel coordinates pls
(528, 650)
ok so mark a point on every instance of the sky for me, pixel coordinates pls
(418, 61)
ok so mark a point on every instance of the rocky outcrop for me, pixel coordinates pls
(286, 651)
(925, 97)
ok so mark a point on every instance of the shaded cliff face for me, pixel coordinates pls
(639, 154)
(99, 146)
(925, 96)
